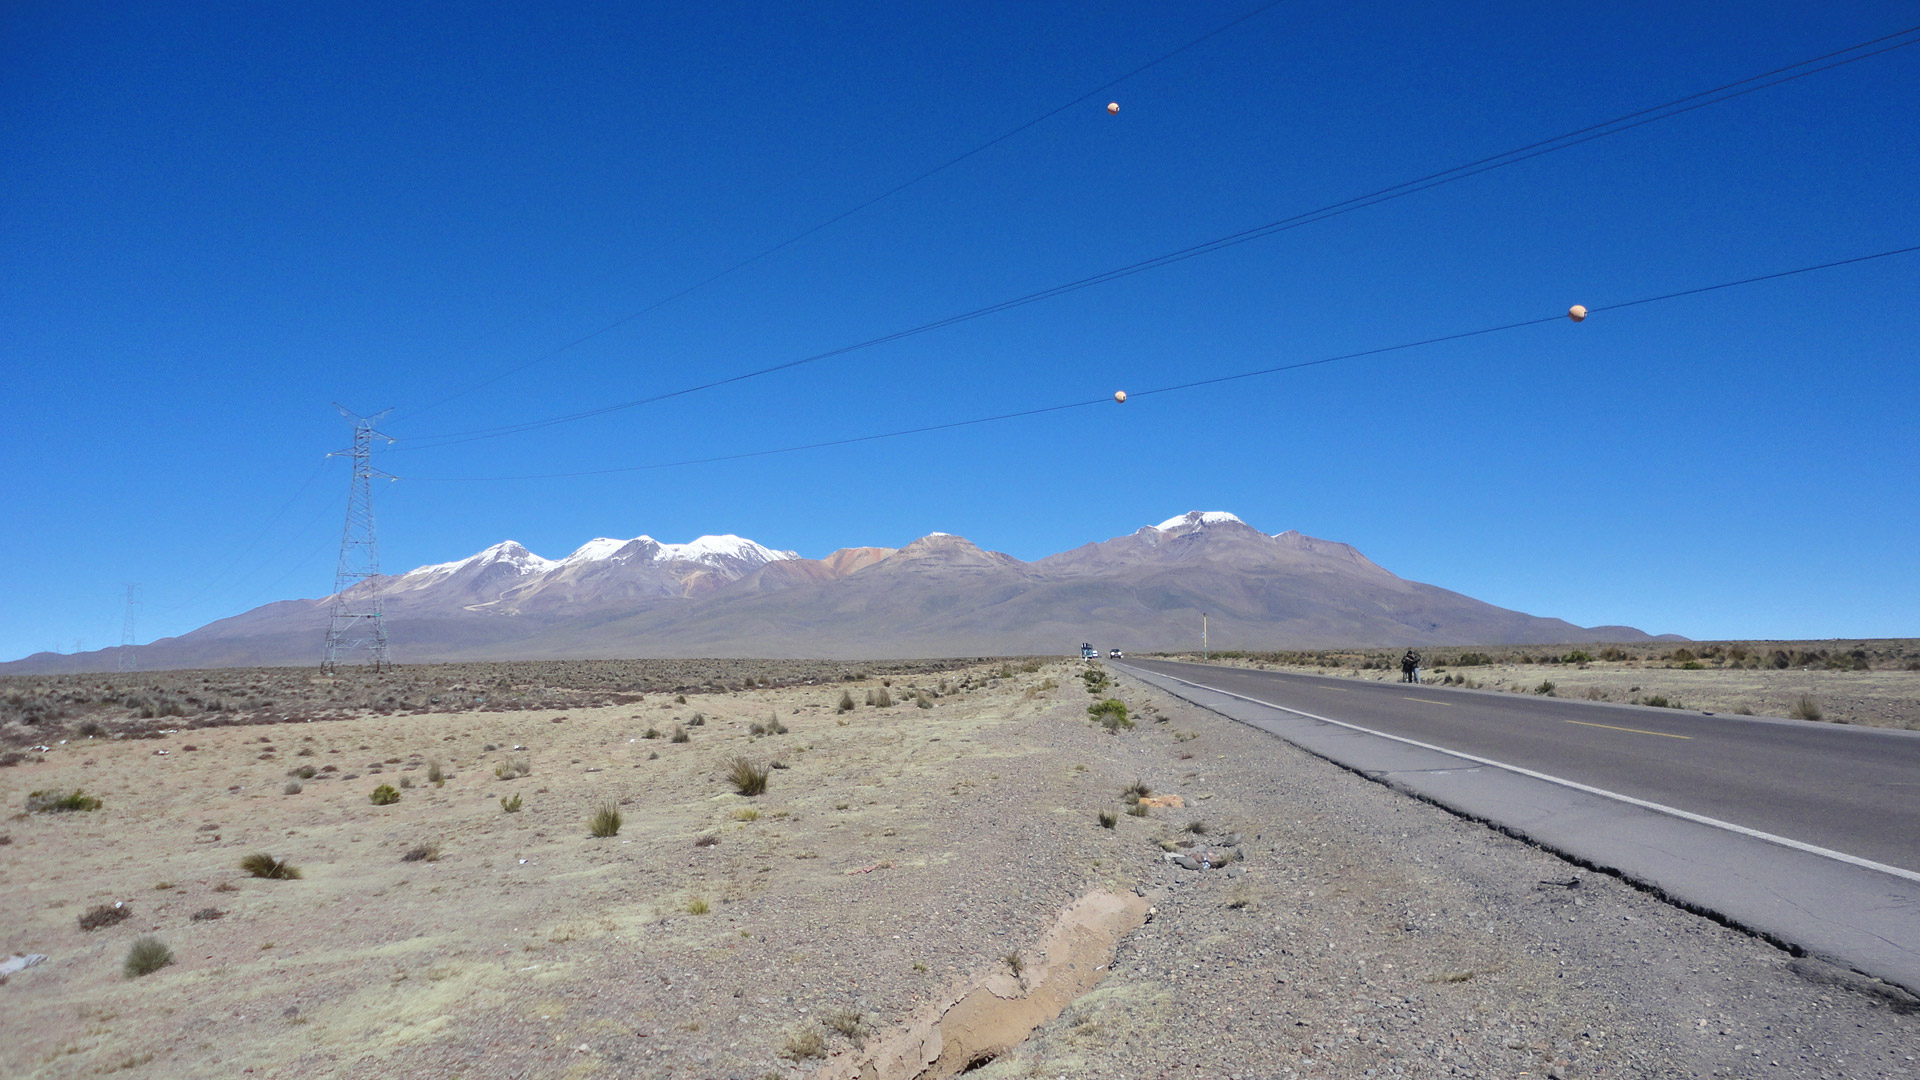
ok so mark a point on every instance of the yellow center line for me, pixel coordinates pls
(1428, 700)
(1635, 730)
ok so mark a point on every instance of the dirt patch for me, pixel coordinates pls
(1000, 1009)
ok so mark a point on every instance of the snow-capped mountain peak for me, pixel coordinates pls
(600, 547)
(510, 552)
(716, 550)
(1196, 517)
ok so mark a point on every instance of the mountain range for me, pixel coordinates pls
(940, 595)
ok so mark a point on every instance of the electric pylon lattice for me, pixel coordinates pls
(356, 624)
(129, 659)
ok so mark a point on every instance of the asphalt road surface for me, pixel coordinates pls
(1848, 789)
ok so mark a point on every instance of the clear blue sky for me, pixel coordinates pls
(221, 217)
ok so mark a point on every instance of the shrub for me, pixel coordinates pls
(293, 788)
(650, 733)
(1136, 791)
(60, 802)
(422, 853)
(1578, 657)
(207, 914)
(1197, 828)
(1805, 709)
(746, 777)
(304, 772)
(511, 804)
(921, 700)
(774, 726)
(1108, 819)
(605, 821)
(406, 781)
(385, 795)
(679, 699)
(1111, 713)
(1015, 962)
(680, 734)
(698, 906)
(1612, 654)
(1660, 701)
(262, 865)
(805, 1042)
(882, 699)
(1545, 688)
(848, 1023)
(699, 720)
(105, 915)
(1138, 809)
(146, 956)
(846, 702)
(435, 774)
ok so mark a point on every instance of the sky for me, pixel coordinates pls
(223, 218)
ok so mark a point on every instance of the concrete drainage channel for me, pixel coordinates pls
(996, 1012)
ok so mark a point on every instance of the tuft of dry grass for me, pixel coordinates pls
(746, 777)
(422, 853)
(146, 956)
(1108, 819)
(262, 865)
(61, 802)
(802, 1043)
(605, 821)
(1805, 709)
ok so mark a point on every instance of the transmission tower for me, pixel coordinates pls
(357, 624)
(129, 659)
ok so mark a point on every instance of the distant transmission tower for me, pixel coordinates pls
(129, 659)
(357, 623)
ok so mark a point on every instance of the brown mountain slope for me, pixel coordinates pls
(941, 595)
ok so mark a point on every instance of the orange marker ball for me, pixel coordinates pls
(1113, 107)
(1120, 396)
(1578, 313)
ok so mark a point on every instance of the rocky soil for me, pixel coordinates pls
(904, 858)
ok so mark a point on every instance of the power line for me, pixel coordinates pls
(1178, 387)
(1617, 125)
(226, 574)
(845, 214)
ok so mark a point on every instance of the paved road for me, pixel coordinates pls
(1853, 790)
(1806, 834)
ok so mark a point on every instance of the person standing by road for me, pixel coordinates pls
(1410, 667)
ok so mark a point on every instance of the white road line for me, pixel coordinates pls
(1797, 845)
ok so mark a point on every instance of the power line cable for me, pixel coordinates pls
(845, 214)
(223, 576)
(1615, 126)
(1178, 387)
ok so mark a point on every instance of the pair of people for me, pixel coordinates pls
(1410, 667)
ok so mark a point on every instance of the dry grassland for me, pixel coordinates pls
(896, 850)
(1869, 682)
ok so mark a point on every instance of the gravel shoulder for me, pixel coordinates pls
(901, 857)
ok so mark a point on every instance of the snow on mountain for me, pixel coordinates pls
(598, 548)
(1196, 517)
(509, 552)
(716, 550)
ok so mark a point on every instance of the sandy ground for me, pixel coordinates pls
(1877, 698)
(904, 859)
